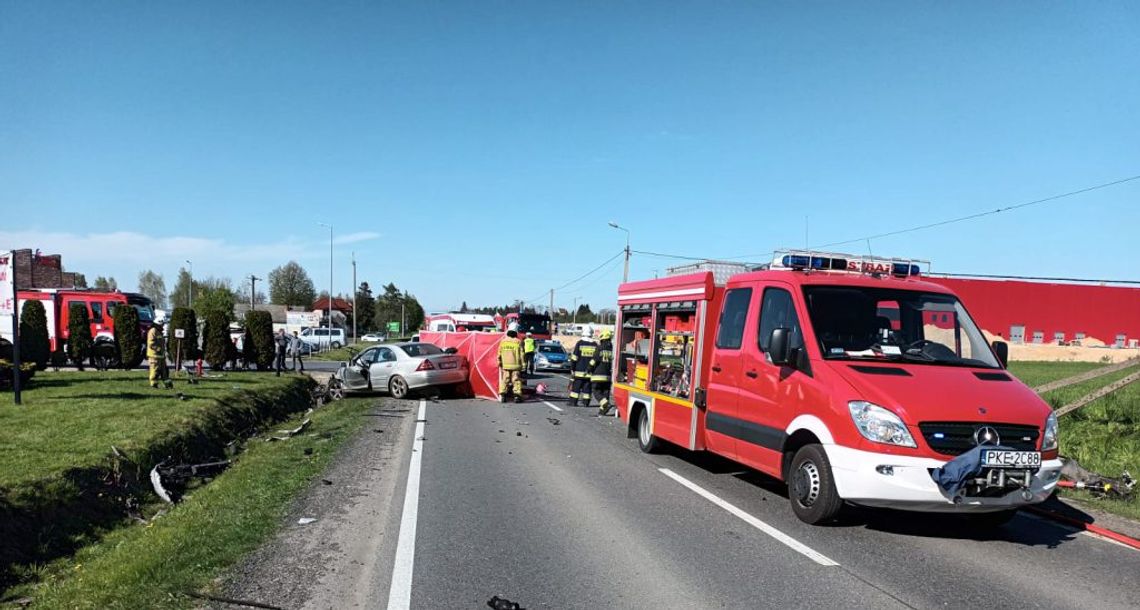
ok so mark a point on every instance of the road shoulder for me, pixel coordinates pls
(343, 558)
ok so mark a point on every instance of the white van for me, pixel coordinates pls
(324, 338)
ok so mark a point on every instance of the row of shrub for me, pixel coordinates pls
(129, 348)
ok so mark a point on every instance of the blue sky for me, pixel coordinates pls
(475, 150)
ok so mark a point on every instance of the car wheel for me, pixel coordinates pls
(811, 487)
(990, 521)
(336, 344)
(645, 439)
(398, 387)
(336, 389)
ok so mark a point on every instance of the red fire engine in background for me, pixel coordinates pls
(849, 378)
(100, 308)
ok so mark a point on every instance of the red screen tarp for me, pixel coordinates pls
(482, 353)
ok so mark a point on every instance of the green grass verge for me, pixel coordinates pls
(57, 489)
(342, 354)
(184, 550)
(1103, 436)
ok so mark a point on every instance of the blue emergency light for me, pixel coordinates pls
(855, 264)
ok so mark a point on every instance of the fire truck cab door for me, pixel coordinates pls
(724, 371)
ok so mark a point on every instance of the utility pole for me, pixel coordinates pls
(330, 279)
(354, 297)
(15, 330)
(625, 275)
(191, 304)
(552, 322)
(253, 291)
(403, 327)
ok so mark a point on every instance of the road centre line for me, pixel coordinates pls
(400, 591)
(787, 540)
(552, 406)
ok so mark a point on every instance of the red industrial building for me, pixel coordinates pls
(1029, 311)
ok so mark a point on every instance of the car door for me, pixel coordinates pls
(724, 371)
(769, 393)
(383, 368)
(356, 373)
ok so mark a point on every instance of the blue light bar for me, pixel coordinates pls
(800, 261)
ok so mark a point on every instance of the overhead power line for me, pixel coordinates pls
(590, 272)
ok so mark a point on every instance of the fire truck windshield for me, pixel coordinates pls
(883, 324)
(532, 323)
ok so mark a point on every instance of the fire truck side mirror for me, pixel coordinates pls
(1001, 350)
(778, 346)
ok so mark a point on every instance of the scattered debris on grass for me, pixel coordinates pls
(306, 520)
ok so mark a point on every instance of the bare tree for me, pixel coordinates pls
(153, 286)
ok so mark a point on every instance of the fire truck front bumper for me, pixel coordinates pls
(903, 482)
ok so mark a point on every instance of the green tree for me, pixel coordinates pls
(258, 342)
(413, 313)
(105, 284)
(153, 286)
(180, 295)
(35, 343)
(127, 337)
(291, 285)
(214, 295)
(217, 343)
(183, 318)
(79, 340)
(365, 308)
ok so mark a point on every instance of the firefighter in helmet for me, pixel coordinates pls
(156, 355)
(580, 370)
(510, 366)
(601, 367)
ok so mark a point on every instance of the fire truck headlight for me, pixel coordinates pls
(1049, 441)
(880, 425)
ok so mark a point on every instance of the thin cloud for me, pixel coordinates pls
(353, 238)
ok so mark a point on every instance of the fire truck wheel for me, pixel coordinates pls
(645, 438)
(811, 487)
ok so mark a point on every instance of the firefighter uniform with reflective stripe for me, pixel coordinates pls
(529, 348)
(156, 355)
(580, 370)
(510, 366)
(601, 368)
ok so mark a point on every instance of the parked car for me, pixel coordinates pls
(373, 338)
(400, 368)
(551, 356)
(324, 337)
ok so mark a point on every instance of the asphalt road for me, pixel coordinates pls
(572, 515)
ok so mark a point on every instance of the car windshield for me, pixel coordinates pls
(421, 349)
(885, 324)
(551, 349)
(146, 312)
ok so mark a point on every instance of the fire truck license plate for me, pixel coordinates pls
(1011, 459)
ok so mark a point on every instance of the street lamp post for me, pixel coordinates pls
(625, 275)
(191, 305)
(354, 297)
(330, 227)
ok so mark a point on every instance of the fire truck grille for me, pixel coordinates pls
(956, 438)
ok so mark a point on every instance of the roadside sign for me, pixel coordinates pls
(180, 333)
(393, 327)
(7, 285)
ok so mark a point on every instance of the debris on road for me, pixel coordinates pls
(306, 520)
(231, 601)
(517, 433)
(554, 420)
(502, 603)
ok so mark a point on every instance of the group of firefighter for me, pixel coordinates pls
(590, 363)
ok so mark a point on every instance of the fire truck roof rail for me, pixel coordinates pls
(813, 260)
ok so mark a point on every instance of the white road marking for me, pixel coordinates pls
(400, 593)
(787, 540)
(552, 406)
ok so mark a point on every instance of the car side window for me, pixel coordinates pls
(368, 356)
(385, 355)
(730, 332)
(777, 310)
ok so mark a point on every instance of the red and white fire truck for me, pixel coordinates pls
(849, 378)
(459, 322)
(100, 310)
(537, 324)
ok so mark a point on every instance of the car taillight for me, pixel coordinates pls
(426, 365)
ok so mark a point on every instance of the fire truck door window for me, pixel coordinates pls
(97, 313)
(634, 361)
(779, 311)
(730, 328)
(71, 305)
(675, 349)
